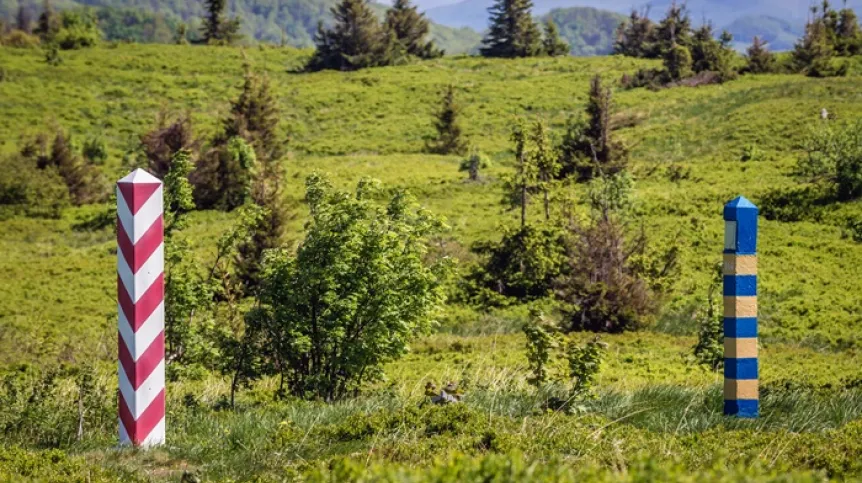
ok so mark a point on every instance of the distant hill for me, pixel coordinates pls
(589, 31)
(781, 34)
(262, 20)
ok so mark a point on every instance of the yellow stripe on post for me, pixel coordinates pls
(745, 348)
(735, 389)
(740, 264)
(740, 307)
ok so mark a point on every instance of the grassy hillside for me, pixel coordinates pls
(656, 415)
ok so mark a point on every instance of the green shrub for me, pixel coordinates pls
(79, 30)
(19, 40)
(32, 191)
(834, 158)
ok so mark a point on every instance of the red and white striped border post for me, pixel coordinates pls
(141, 301)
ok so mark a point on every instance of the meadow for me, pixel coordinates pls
(656, 415)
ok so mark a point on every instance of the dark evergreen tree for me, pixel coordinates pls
(254, 117)
(553, 44)
(410, 29)
(24, 19)
(760, 59)
(161, 144)
(678, 63)
(710, 55)
(48, 24)
(588, 148)
(449, 136)
(813, 54)
(636, 36)
(355, 41)
(512, 33)
(674, 29)
(217, 29)
(849, 37)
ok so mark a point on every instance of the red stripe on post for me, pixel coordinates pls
(137, 194)
(140, 429)
(137, 254)
(138, 313)
(138, 371)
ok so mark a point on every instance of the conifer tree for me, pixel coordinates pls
(254, 117)
(24, 21)
(48, 24)
(512, 33)
(710, 55)
(849, 36)
(553, 44)
(678, 62)
(410, 29)
(636, 36)
(674, 29)
(813, 53)
(449, 136)
(355, 41)
(216, 28)
(546, 162)
(760, 59)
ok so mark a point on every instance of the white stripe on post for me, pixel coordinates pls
(140, 302)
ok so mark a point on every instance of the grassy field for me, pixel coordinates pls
(656, 415)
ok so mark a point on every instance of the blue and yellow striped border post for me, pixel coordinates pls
(741, 397)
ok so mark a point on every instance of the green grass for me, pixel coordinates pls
(656, 413)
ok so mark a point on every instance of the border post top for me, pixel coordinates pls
(740, 235)
(139, 176)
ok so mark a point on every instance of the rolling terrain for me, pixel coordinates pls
(656, 414)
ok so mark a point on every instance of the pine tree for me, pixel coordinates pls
(849, 36)
(760, 59)
(48, 24)
(813, 53)
(710, 55)
(24, 20)
(181, 35)
(553, 44)
(546, 162)
(254, 117)
(674, 29)
(449, 136)
(355, 41)
(636, 36)
(410, 29)
(161, 144)
(678, 62)
(513, 33)
(216, 29)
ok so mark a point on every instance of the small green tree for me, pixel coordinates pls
(450, 139)
(760, 59)
(165, 140)
(553, 44)
(77, 30)
(224, 176)
(410, 29)
(355, 294)
(547, 164)
(674, 30)
(517, 187)
(512, 33)
(473, 164)
(48, 24)
(709, 349)
(585, 362)
(254, 116)
(678, 62)
(541, 342)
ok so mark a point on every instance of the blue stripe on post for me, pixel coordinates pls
(743, 408)
(740, 285)
(740, 368)
(740, 327)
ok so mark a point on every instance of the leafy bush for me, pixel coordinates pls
(32, 191)
(356, 292)
(584, 364)
(224, 175)
(834, 159)
(19, 40)
(541, 341)
(79, 30)
(473, 164)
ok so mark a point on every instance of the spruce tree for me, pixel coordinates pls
(216, 29)
(760, 59)
(355, 41)
(674, 29)
(512, 33)
(849, 37)
(553, 44)
(710, 55)
(48, 24)
(678, 62)
(24, 20)
(449, 136)
(410, 29)
(812, 55)
(254, 117)
(636, 36)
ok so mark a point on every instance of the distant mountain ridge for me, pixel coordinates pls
(780, 21)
